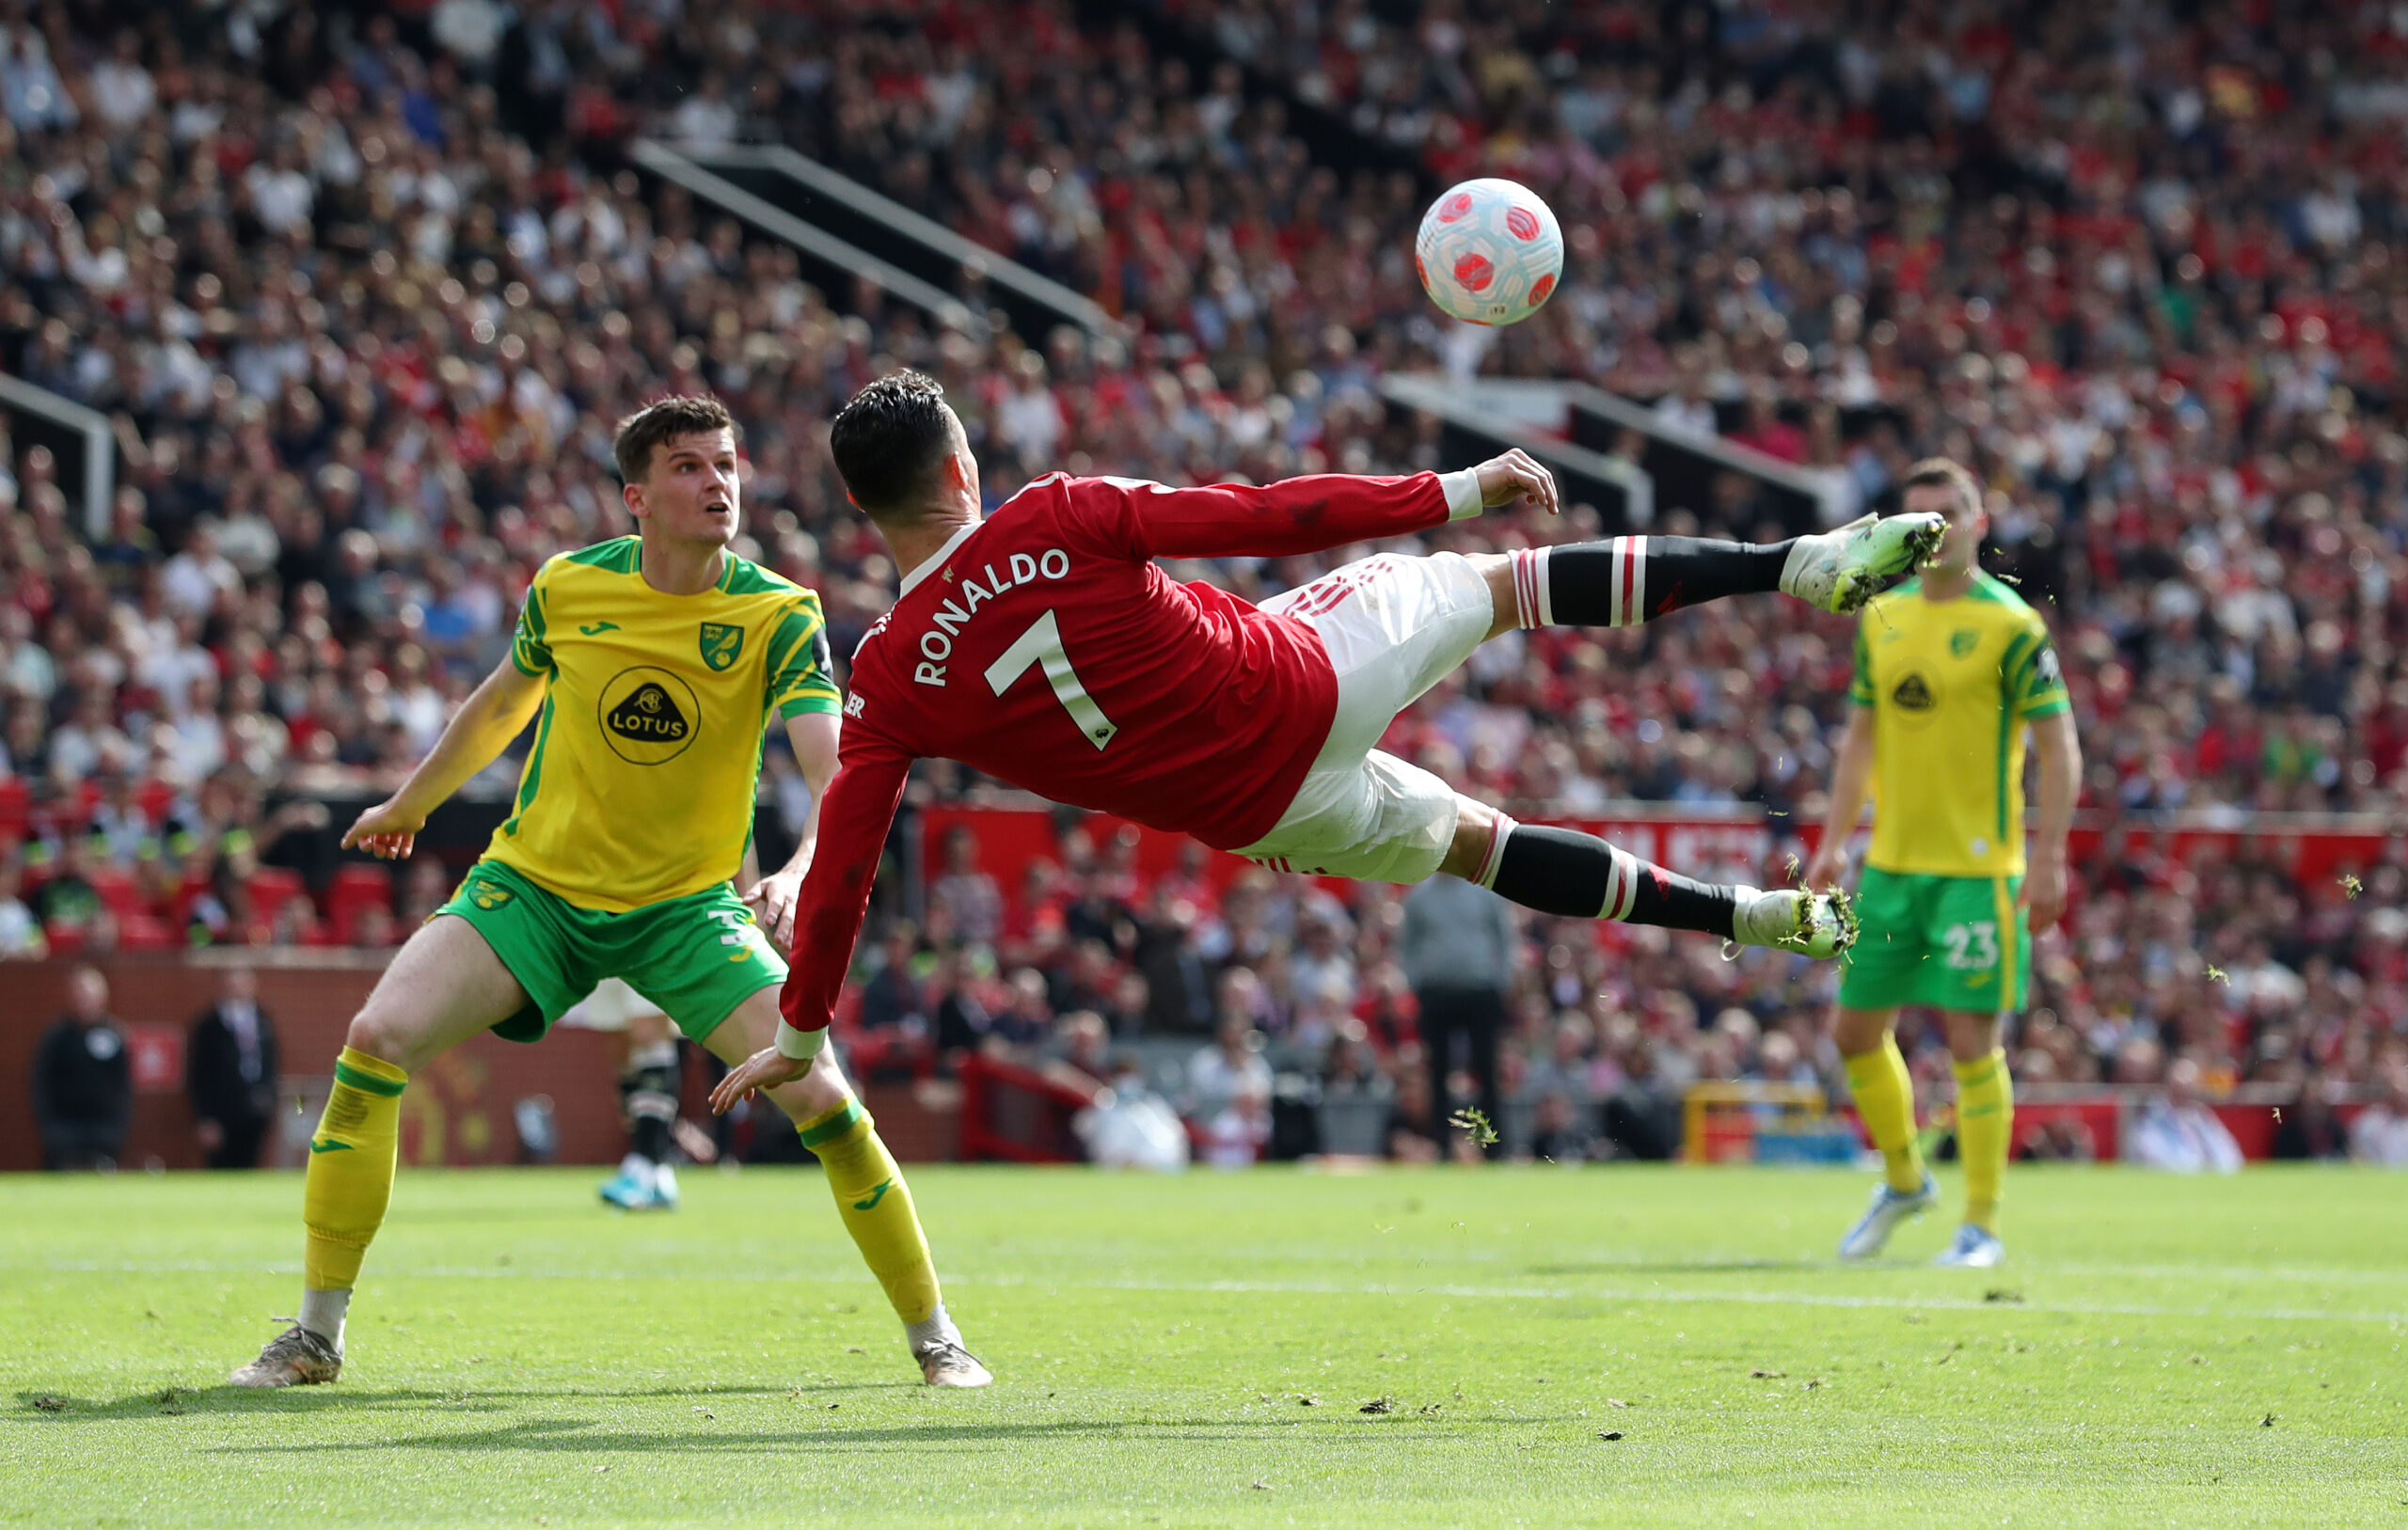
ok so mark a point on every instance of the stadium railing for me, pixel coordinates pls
(835, 258)
(1471, 432)
(847, 210)
(81, 439)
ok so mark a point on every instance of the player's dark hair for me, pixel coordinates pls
(1944, 473)
(664, 420)
(889, 441)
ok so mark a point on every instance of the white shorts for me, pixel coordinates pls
(1394, 627)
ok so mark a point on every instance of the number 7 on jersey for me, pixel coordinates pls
(1041, 645)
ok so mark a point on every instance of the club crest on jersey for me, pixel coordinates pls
(1960, 642)
(721, 644)
(1913, 693)
(648, 716)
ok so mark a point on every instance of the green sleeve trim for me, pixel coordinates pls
(794, 628)
(530, 652)
(2049, 708)
(532, 781)
(619, 554)
(1860, 680)
(810, 704)
(367, 1083)
(2013, 666)
(835, 1126)
(742, 576)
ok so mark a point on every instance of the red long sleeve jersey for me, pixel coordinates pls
(1044, 647)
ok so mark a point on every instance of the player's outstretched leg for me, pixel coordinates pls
(1625, 580)
(870, 1193)
(443, 987)
(1577, 875)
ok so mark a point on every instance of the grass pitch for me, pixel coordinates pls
(1435, 1347)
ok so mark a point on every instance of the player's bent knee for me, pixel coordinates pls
(389, 1035)
(1857, 1032)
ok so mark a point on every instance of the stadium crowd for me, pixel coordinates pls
(364, 289)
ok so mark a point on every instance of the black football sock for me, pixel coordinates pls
(1577, 876)
(1626, 580)
(650, 1093)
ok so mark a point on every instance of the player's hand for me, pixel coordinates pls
(2044, 894)
(1824, 867)
(765, 1069)
(1514, 476)
(771, 900)
(385, 831)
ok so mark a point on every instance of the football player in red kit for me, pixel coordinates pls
(1043, 645)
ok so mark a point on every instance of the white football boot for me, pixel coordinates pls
(1890, 1208)
(1818, 925)
(296, 1357)
(1838, 570)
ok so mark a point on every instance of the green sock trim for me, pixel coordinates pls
(367, 1083)
(833, 1125)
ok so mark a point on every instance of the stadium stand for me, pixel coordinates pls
(362, 290)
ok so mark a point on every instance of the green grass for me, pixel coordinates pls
(2158, 1352)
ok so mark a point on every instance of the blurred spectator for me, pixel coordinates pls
(893, 997)
(83, 1084)
(67, 902)
(231, 1072)
(967, 893)
(2063, 1139)
(1231, 1065)
(1130, 1126)
(2380, 1134)
(1235, 1135)
(1412, 1133)
(1179, 977)
(21, 934)
(1457, 947)
(2177, 1133)
(2311, 1127)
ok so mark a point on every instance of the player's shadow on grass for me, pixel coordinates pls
(168, 1402)
(577, 1435)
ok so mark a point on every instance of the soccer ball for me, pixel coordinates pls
(1489, 252)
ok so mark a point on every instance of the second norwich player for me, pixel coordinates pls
(1953, 669)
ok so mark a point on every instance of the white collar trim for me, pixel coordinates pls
(938, 556)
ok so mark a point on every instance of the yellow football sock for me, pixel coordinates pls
(1885, 1098)
(877, 1208)
(1985, 1121)
(351, 1169)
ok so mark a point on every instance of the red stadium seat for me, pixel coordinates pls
(270, 886)
(358, 887)
(16, 807)
(120, 891)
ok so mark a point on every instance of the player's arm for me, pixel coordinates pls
(473, 739)
(1851, 779)
(2035, 689)
(802, 690)
(1322, 511)
(828, 908)
(814, 735)
(2057, 753)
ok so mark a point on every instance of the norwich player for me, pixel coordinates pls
(1951, 670)
(656, 661)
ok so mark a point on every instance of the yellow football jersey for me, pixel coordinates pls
(1952, 684)
(647, 752)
